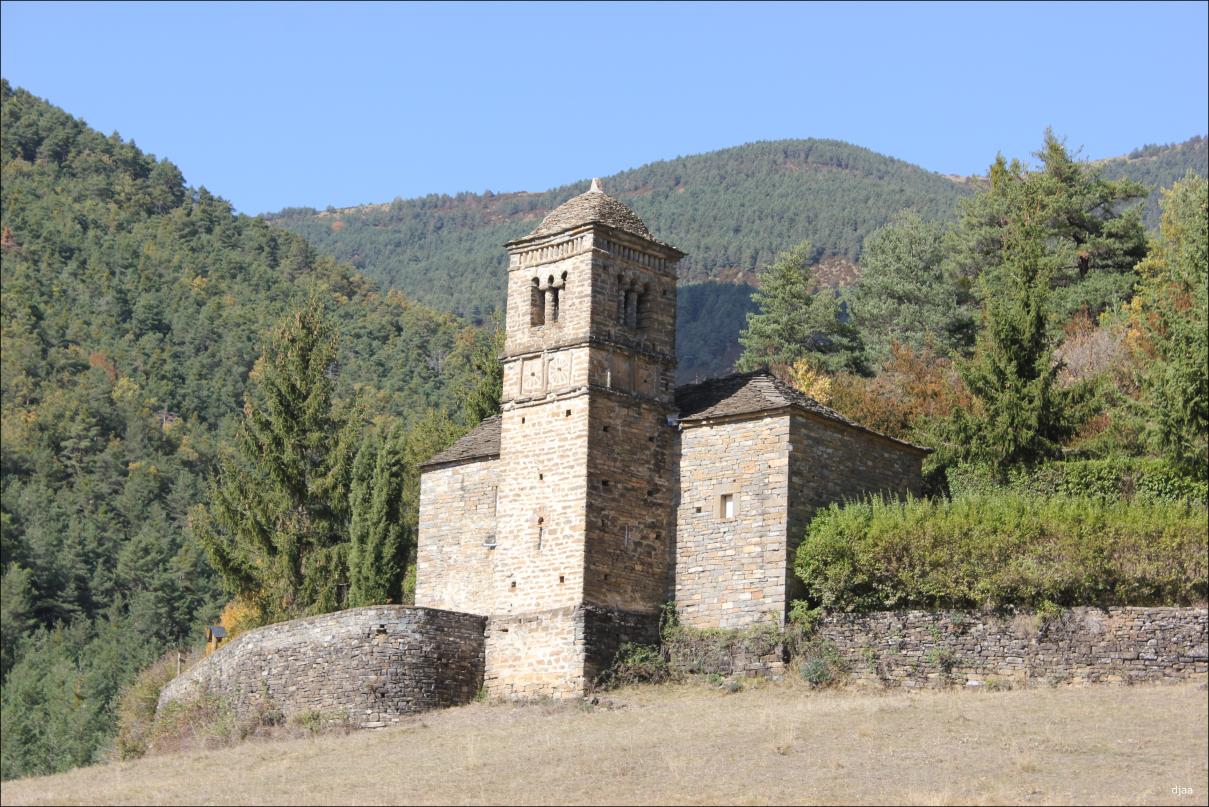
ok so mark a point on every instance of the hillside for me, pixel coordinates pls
(131, 317)
(732, 211)
(769, 744)
(1158, 167)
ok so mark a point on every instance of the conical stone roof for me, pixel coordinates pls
(594, 206)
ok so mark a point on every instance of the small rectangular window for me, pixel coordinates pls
(727, 506)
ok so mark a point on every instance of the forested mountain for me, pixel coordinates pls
(132, 312)
(1159, 167)
(732, 211)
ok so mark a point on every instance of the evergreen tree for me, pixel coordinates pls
(904, 295)
(1021, 414)
(793, 321)
(273, 527)
(1091, 234)
(379, 539)
(1171, 316)
(484, 380)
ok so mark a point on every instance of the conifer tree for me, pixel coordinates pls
(1092, 235)
(379, 540)
(903, 295)
(1022, 414)
(484, 380)
(1171, 318)
(793, 321)
(273, 527)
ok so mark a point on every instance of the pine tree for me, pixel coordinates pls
(274, 526)
(484, 380)
(1091, 233)
(904, 295)
(793, 321)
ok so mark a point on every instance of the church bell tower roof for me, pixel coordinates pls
(594, 206)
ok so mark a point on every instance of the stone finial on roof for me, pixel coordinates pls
(596, 186)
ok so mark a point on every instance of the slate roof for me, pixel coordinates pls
(593, 206)
(481, 442)
(729, 396)
(753, 392)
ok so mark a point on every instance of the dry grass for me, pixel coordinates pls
(770, 744)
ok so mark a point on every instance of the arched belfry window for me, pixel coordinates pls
(544, 299)
(537, 304)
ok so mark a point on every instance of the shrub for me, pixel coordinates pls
(1124, 478)
(634, 664)
(819, 663)
(1005, 549)
(136, 719)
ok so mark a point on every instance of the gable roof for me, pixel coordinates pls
(731, 396)
(481, 442)
(754, 393)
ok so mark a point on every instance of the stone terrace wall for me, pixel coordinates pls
(1081, 645)
(368, 665)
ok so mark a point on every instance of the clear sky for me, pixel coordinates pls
(283, 104)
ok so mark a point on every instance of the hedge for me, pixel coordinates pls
(1125, 478)
(1005, 549)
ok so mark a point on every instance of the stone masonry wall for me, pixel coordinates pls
(454, 559)
(536, 654)
(370, 666)
(560, 652)
(730, 572)
(1080, 645)
(631, 497)
(830, 462)
(539, 557)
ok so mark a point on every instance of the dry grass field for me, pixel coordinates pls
(773, 743)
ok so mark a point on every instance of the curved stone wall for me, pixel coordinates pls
(368, 665)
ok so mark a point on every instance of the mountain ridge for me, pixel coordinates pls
(732, 210)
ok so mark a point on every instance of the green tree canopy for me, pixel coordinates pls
(793, 321)
(1022, 414)
(1092, 235)
(904, 295)
(274, 527)
(1171, 313)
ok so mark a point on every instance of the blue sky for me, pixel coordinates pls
(280, 104)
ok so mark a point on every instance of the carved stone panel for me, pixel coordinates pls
(559, 370)
(531, 377)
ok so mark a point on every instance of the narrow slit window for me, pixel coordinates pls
(726, 508)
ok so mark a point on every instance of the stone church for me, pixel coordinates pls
(603, 491)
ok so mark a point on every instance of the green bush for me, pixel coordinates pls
(819, 663)
(1005, 549)
(634, 664)
(1124, 478)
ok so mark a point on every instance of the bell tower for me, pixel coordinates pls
(585, 503)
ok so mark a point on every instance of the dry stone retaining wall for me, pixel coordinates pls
(1080, 645)
(370, 666)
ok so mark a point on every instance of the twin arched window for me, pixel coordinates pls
(544, 299)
